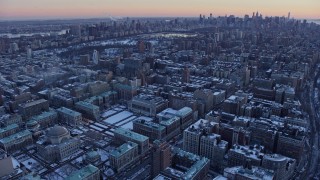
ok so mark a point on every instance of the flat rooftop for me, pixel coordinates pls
(15, 136)
(69, 112)
(124, 148)
(131, 134)
(8, 128)
(83, 173)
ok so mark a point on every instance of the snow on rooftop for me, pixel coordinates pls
(101, 125)
(108, 113)
(126, 121)
(145, 118)
(32, 164)
(96, 128)
(129, 125)
(110, 133)
(118, 117)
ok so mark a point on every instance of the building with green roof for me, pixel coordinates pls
(150, 129)
(69, 116)
(127, 135)
(123, 155)
(88, 110)
(16, 141)
(46, 118)
(8, 130)
(88, 172)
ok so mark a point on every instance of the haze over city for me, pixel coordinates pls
(49, 9)
(159, 90)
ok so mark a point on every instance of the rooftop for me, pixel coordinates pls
(87, 105)
(44, 115)
(124, 148)
(184, 111)
(32, 103)
(8, 128)
(150, 124)
(198, 162)
(83, 173)
(15, 136)
(253, 173)
(277, 157)
(68, 112)
(200, 125)
(167, 122)
(161, 177)
(131, 134)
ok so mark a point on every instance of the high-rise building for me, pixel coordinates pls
(248, 173)
(95, 57)
(84, 59)
(29, 53)
(212, 147)
(238, 155)
(192, 135)
(186, 75)
(1, 99)
(75, 30)
(194, 166)
(233, 104)
(204, 96)
(161, 157)
(291, 143)
(263, 133)
(282, 166)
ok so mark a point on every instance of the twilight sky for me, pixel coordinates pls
(42, 9)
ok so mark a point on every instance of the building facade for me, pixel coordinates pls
(69, 116)
(123, 155)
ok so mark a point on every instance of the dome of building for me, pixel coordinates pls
(57, 133)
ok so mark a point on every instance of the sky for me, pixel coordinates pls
(51, 9)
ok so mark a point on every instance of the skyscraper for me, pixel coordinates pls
(29, 52)
(161, 156)
(186, 75)
(95, 57)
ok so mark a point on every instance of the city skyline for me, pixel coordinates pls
(36, 9)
